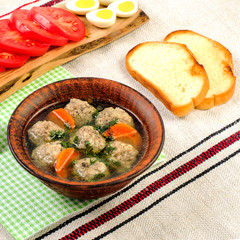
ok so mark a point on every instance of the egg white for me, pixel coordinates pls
(71, 6)
(106, 2)
(124, 14)
(101, 22)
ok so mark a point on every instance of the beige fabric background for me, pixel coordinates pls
(208, 208)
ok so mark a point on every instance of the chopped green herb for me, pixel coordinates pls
(56, 134)
(104, 128)
(108, 150)
(92, 161)
(117, 163)
(95, 114)
(72, 163)
(89, 150)
(76, 141)
(105, 161)
(101, 156)
(110, 139)
(66, 144)
(88, 145)
(67, 126)
(97, 177)
(89, 123)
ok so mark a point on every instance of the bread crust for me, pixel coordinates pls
(227, 65)
(178, 110)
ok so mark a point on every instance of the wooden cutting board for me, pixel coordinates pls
(12, 80)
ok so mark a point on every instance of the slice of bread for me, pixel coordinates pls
(171, 73)
(216, 60)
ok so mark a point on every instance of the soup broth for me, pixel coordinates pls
(85, 140)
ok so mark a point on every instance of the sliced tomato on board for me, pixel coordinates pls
(33, 30)
(59, 21)
(11, 60)
(2, 69)
(4, 24)
(12, 41)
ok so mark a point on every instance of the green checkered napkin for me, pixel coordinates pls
(27, 205)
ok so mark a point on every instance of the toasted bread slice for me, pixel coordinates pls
(171, 73)
(216, 60)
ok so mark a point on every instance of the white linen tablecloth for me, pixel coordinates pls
(202, 201)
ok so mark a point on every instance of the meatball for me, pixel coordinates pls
(124, 153)
(39, 133)
(88, 169)
(81, 111)
(87, 136)
(46, 154)
(111, 114)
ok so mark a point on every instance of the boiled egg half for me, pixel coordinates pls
(81, 7)
(124, 8)
(106, 2)
(102, 18)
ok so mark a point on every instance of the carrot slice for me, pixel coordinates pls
(62, 118)
(65, 157)
(125, 133)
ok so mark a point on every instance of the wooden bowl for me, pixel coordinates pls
(102, 90)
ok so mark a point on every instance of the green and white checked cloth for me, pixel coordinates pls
(27, 206)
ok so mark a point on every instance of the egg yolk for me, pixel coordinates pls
(85, 3)
(126, 6)
(105, 14)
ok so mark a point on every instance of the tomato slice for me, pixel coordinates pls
(12, 41)
(33, 30)
(59, 21)
(10, 60)
(2, 69)
(4, 24)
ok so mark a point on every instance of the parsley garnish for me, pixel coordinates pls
(67, 126)
(66, 144)
(107, 151)
(97, 177)
(117, 163)
(76, 141)
(56, 134)
(92, 161)
(95, 114)
(72, 163)
(89, 150)
(104, 128)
